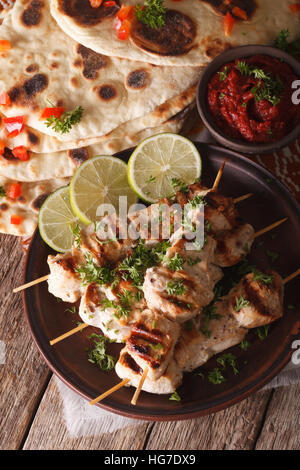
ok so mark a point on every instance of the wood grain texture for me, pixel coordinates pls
(281, 430)
(48, 430)
(231, 429)
(24, 374)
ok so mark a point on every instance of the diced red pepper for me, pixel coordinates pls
(4, 45)
(294, 7)
(56, 112)
(110, 4)
(2, 147)
(14, 125)
(96, 3)
(5, 99)
(16, 219)
(240, 13)
(228, 24)
(125, 13)
(21, 153)
(13, 191)
(124, 30)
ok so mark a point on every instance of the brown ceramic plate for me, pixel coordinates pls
(48, 319)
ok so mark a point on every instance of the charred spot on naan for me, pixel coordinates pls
(32, 68)
(78, 156)
(8, 155)
(92, 62)
(85, 15)
(32, 16)
(106, 92)
(138, 79)
(32, 138)
(4, 207)
(214, 46)
(23, 94)
(175, 38)
(222, 7)
(39, 201)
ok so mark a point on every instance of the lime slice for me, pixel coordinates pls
(159, 159)
(57, 221)
(99, 180)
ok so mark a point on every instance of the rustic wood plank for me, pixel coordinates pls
(232, 429)
(48, 430)
(24, 374)
(282, 424)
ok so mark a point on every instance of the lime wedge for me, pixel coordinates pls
(57, 222)
(99, 180)
(160, 159)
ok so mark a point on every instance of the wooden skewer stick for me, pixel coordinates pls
(139, 388)
(32, 283)
(218, 177)
(270, 227)
(108, 392)
(291, 276)
(242, 198)
(69, 333)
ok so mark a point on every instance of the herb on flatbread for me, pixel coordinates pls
(152, 13)
(98, 354)
(66, 121)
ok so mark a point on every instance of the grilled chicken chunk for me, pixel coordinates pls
(197, 346)
(113, 316)
(257, 301)
(151, 342)
(64, 281)
(127, 368)
(234, 245)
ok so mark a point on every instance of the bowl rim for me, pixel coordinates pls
(228, 56)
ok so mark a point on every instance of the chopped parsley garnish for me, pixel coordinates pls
(90, 272)
(123, 306)
(192, 261)
(262, 332)
(98, 354)
(245, 345)
(71, 310)
(153, 13)
(77, 235)
(156, 347)
(209, 313)
(261, 277)
(240, 302)
(2, 192)
(228, 359)
(281, 42)
(216, 377)
(151, 179)
(223, 74)
(66, 121)
(268, 88)
(175, 288)
(179, 185)
(196, 201)
(176, 263)
(175, 397)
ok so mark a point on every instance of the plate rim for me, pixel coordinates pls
(274, 368)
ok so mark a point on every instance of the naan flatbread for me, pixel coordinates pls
(62, 164)
(193, 33)
(27, 205)
(46, 64)
(38, 142)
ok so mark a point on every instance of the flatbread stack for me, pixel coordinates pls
(66, 53)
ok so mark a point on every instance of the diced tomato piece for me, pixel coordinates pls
(228, 24)
(16, 219)
(125, 13)
(48, 112)
(124, 30)
(2, 147)
(14, 125)
(4, 45)
(118, 24)
(14, 190)
(110, 4)
(240, 13)
(5, 99)
(21, 153)
(294, 7)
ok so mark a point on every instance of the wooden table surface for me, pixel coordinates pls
(31, 414)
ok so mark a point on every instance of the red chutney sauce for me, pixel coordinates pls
(251, 99)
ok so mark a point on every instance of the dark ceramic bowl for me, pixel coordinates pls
(203, 109)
